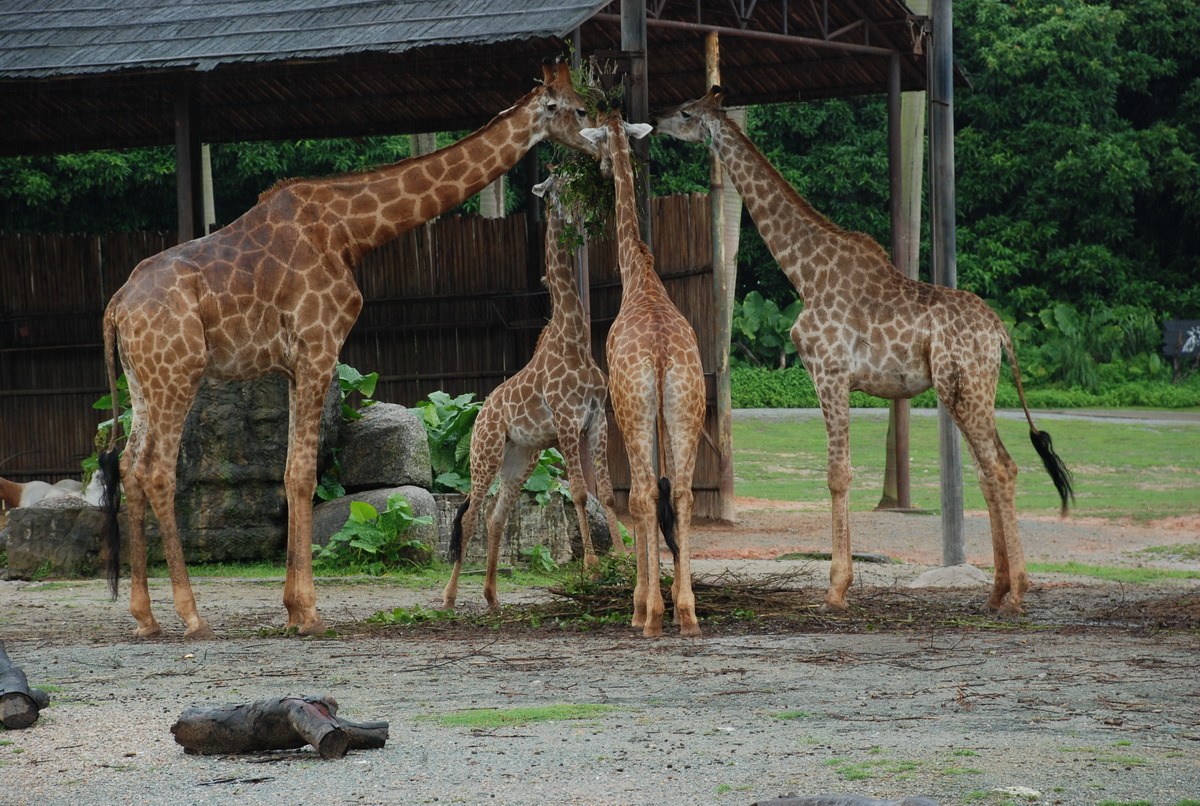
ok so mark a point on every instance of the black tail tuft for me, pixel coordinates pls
(1059, 473)
(456, 534)
(110, 502)
(666, 516)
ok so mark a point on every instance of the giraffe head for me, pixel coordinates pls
(613, 134)
(691, 120)
(559, 112)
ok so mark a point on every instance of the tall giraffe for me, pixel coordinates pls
(865, 326)
(557, 399)
(274, 292)
(656, 383)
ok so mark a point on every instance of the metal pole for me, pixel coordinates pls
(945, 271)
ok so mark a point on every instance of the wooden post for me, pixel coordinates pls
(896, 476)
(637, 101)
(945, 271)
(189, 188)
(724, 285)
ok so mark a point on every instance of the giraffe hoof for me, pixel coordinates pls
(151, 630)
(689, 631)
(834, 607)
(201, 632)
(314, 627)
(652, 631)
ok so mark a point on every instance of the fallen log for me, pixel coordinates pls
(19, 704)
(281, 723)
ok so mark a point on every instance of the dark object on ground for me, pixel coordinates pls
(19, 704)
(281, 723)
(842, 800)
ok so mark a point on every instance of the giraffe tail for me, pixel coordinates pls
(1059, 474)
(456, 534)
(666, 516)
(110, 468)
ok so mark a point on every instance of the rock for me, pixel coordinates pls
(530, 524)
(388, 447)
(330, 516)
(963, 575)
(58, 537)
(231, 503)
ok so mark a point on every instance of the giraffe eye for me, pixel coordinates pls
(686, 115)
(581, 112)
(552, 106)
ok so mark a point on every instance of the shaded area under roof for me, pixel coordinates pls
(107, 73)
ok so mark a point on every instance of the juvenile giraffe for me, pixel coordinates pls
(656, 383)
(865, 326)
(274, 292)
(557, 399)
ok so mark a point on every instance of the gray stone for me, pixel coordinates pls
(388, 447)
(530, 524)
(58, 537)
(330, 516)
(231, 503)
(963, 575)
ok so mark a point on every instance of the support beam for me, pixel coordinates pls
(637, 101)
(189, 192)
(725, 204)
(945, 268)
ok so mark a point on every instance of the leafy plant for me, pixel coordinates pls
(547, 477)
(762, 330)
(448, 423)
(541, 561)
(351, 380)
(411, 615)
(373, 542)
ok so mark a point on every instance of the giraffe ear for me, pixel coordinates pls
(540, 188)
(638, 130)
(597, 135)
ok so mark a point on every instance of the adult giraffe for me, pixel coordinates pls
(865, 326)
(656, 383)
(274, 292)
(557, 399)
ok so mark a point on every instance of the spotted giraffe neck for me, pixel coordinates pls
(373, 207)
(794, 231)
(566, 308)
(636, 262)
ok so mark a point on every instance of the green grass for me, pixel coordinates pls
(1141, 471)
(1113, 573)
(509, 717)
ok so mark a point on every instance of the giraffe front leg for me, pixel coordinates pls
(300, 481)
(841, 568)
(572, 449)
(598, 445)
(518, 464)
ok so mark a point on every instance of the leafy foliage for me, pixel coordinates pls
(372, 542)
(761, 331)
(350, 380)
(448, 423)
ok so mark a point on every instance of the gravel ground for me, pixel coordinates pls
(1092, 698)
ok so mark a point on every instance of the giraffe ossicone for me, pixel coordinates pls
(867, 327)
(274, 292)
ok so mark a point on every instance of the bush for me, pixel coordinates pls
(756, 387)
(373, 542)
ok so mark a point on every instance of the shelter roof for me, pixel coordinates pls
(78, 75)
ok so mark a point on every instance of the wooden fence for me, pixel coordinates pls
(455, 305)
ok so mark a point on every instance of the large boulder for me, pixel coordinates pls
(388, 447)
(530, 524)
(230, 502)
(57, 537)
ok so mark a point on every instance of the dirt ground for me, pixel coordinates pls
(1092, 697)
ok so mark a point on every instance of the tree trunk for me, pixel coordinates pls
(281, 723)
